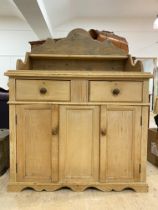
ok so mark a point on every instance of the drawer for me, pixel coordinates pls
(115, 91)
(42, 90)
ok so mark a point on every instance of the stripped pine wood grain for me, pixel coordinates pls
(78, 119)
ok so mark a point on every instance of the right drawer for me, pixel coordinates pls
(121, 91)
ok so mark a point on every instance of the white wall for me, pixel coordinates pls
(14, 37)
(15, 34)
(58, 11)
(138, 32)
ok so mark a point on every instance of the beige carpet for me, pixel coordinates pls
(88, 200)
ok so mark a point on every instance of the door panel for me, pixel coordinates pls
(79, 143)
(34, 138)
(120, 146)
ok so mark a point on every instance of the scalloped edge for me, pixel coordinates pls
(105, 187)
(81, 42)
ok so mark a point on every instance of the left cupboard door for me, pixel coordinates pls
(36, 151)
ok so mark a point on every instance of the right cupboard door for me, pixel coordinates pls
(120, 139)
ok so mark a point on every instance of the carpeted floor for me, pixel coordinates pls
(88, 200)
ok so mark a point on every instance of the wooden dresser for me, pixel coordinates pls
(78, 117)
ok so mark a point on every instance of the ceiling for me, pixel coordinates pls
(52, 13)
(113, 8)
(8, 9)
(51, 18)
(93, 8)
(56, 13)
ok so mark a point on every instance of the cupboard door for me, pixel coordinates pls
(120, 143)
(79, 143)
(34, 143)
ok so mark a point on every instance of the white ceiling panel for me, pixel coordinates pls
(8, 8)
(113, 8)
(130, 18)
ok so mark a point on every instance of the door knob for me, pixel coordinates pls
(55, 131)
(115, 91)
(43, 90)
(103, 132)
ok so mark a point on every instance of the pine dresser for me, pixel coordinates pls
(78, 117)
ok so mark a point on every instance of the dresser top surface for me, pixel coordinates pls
(78, 74)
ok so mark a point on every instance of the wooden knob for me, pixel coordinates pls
(54, 131)
(43, 90)
(115, 91)
(103, 132)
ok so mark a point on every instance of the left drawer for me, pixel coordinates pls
(39, 90)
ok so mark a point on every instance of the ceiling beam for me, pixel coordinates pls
(32, 13)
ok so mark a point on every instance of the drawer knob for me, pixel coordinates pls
(43, 90)
(103, 132)
(115, 91)
(54, 131)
